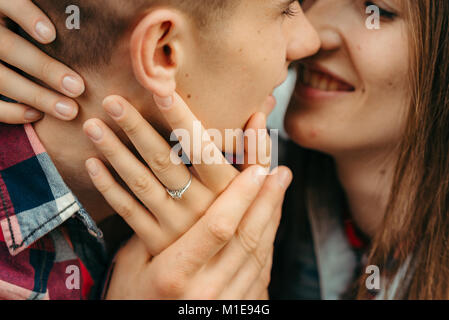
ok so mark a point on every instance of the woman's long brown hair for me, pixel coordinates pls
(416, 222)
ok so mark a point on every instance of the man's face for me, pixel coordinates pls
(231, 71)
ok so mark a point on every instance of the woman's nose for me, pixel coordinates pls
(323, 15)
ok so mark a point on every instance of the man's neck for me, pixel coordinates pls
(69, 147)
(367, 180)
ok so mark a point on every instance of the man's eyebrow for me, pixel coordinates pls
(286, 3)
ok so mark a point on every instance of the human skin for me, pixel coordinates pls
(138, 63)
(246, 235)
(358, 127)
(66, 83)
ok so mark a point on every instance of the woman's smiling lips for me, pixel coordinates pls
(316, 82)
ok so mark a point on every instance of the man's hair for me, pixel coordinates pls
(104, 22)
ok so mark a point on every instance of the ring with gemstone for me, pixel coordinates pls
(177, 194)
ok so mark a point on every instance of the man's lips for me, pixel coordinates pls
(270, 104)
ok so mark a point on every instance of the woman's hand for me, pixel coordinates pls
(21, 54)
(158, 219)
(226, 255)
(242, 222)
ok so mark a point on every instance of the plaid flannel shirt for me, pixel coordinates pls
(49, 246)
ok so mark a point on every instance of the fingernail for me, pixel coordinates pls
(259, 174)
(285, 178)
(45, 32)
(114, 109)
(64, 109)
(92, 167)
(94, 131)
(163, 102)
(32, 115)
(73, 85)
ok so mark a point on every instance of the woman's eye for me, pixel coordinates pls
(383, 12)
(306, 4)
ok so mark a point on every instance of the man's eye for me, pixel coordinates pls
(383, 12)
(292, 10)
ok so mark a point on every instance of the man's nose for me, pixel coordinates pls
(330, 39)
(304, 39)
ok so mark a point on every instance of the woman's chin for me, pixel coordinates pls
(303, 133)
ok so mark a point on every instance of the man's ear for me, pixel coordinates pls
(156, 52)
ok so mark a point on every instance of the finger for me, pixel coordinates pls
(249, 282)
(263, 296)
(30, 18)
(151, 146)
(257, 142)
(20, 53)
(16, 113)
(250, 232)
(205, 239)
(137, 217)
(256, 271)
(214, 170)
(133, 172)
(259, 289)
(18, 88)
(262, 210)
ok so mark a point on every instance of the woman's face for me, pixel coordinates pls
(352, 96)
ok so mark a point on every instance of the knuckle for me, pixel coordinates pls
(249, 240)
(260, 258)
(103, 187)
(221, 231)
(108, 152)
(141, 185)
(48, 68)
(131, 128)
(38, 98)
(248, 197)
(161, 162)
(125, 210)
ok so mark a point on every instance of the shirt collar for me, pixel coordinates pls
(34, 200)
